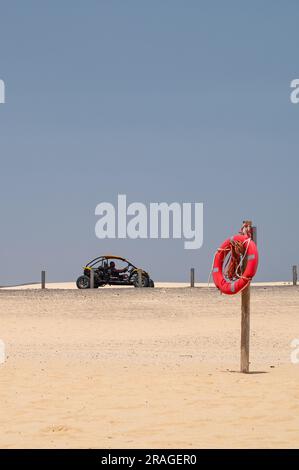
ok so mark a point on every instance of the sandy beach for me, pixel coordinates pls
(131, 368)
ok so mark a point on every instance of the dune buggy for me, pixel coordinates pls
(114, 271)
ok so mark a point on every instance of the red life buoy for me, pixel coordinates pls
(228, 286)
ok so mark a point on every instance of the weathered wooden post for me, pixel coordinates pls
(91, 279)
(245, 314)
(254, 234)
(245, 329)
(139, 278)
(295, 278)
(192, 277)
(43, 279)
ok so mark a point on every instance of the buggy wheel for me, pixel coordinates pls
(144, 280)
(83, 282)
(151, 283)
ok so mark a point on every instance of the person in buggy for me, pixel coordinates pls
(114, 272)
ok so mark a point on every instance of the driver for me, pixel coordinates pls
(114, 271)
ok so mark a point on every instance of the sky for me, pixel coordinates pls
(164, 101)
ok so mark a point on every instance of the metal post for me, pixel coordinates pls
(192, 277)
(43, 279)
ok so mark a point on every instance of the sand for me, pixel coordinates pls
(150, 368)
(163, 285)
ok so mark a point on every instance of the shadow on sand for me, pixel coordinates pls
(254, 372)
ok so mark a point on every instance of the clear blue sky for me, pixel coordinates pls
(161, 100)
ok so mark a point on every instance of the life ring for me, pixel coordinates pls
(241, 280)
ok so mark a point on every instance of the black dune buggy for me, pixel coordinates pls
(114, 271)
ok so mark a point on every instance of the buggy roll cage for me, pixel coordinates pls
(106, 257)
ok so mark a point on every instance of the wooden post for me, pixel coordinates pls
(43, 279)
(192, 277)
(245, 317)
(254, 234)
(91, 279)
(139, 278)
(245, 329)
(295, 278)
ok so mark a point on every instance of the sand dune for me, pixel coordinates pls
(147, 368)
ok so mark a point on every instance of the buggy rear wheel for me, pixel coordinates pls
(144, 280)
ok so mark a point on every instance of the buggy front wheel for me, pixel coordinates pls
(83, 282)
